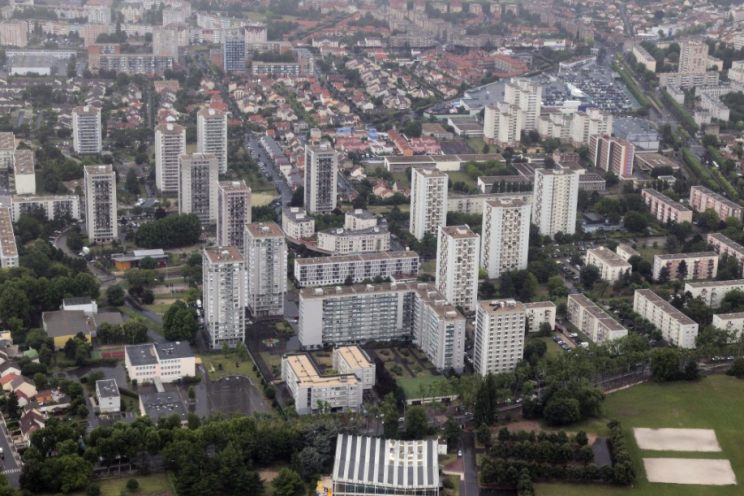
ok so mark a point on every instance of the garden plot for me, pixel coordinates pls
(677, 439)
(689, 471)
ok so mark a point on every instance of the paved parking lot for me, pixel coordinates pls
(235, 394)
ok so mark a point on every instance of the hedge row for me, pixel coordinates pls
(701, 172)
(624, 469)
(634, 89)
(681, 112)
(544, 451)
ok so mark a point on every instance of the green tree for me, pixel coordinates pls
(148, 263)
(14, 304)
(682, 270)
(192, 393)
(483, 434)
(132, 485)
(737, 368)
(390, 417)
(73, 473)
(452, 430)
(562, 411)
(588, 275)
(132, 183)
(288, 483)
(709, 219)
(298, 197)
(115, 295)
(635, 222)
(665, 364)
(416, 423)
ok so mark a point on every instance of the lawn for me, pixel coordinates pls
(428, 267)
(150, 484)
(148, 322)
(456, 176)
(477, 145)
(213, 361)
(648, 252)
(383, 209)
(716, 402)
(272, 360)
(553, 349)
(160, 308)
(260, 199)
(403, 375)
(411, 386)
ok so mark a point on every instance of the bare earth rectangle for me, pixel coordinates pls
(689, 471)
(677, 439)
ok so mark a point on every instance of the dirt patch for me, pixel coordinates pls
(703, 440)
(522, 425)
(689, 471)
(267, 475)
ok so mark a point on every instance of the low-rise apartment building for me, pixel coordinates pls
(677, 328)
(538, 313)
(703, 265)
(340, 241)
(722, 244)
(626, 252)
(730, 322)
(354, 360)
(308, 387)
(611, 265)
(664, 208)
(54, 207)
(324, 271)
(591, 320)
(8, 247)
(712, 292)
(296, 223)
(166, 362)
(107, 396)
(701, 199)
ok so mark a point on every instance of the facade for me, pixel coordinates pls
(86, 130)
(211, 136)
(266, 269)
(7, 150)
(14, 33)
(275, 69)
(384, 312)
(730, 322)
(223, 273)
(233, 51)
(612, 154)
(584, 125)
(321, 168)
(701, 199)
(100, 203)
(712, 292)
(518, 111)
(538, 313)
(428, 201)
(296, 223)
(664, 208)
(165, 41)
(475, 204)
(702, 265)
(170, 143)
(310, 389)
(372, 465)
(168, 362)
(339, 241)
(626, 252)
(611, 265)
(693, 57)
(233, 213)
(54, 207)
(24, 172)
(506, 236)
(556, 196)
(591, 320)
(499, 336)
(326, 271)
(724, 245)
(677, 328)
(359, 220)
(458, 250)
(642, 56)
(197, 193)
(135, 63)
(107, 396)
(354, 360)
(8, 247)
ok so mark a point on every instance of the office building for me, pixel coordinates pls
(54, 207)
(24, 172)
(107, 396)
(733, 323)
(321, 168)
(100, 203)
(701, 199)
(428, 201)
(165, 41)
(676, 328)
(170, 143)
(712, 292)
(556, 196)
(223, 274)
(693, 57)
(266, 266)
(86, 130)
(233, 213)
(170, 361)
(296, 223)
(211, 135)
(383, 312)
(499, 336)
(354, 360)
(611, 265)
(8, 247)
(458, 250)
(14, 33)
(309, 388)
(592, 321)
(400, 266)
(538, 313)
(233, 51)
(664, 208)
(506, 236)
(340, 241)
(612, 155)
(197, 192)
(723, 245)
(686, 266)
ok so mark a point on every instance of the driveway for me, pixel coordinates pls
(11, 464)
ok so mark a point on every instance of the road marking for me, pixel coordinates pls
(12, 471)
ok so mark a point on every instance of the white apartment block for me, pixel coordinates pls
(325, 271)
(712, 292)
(340, 241)
(612, 155)
(359, 220)
(54, 207)
(539, 313)
(8, 247)
(643, 57)
(266, 269)
(703, 265)
(528, 97)
(693, 57)
(556, 196)
(308, 387)
(211, 136)
(664, 208)
(383, 312)
(197, 192)
(296, 223)
(14, 33)
(506, 236)
(701, 199)
(170, 143)
(428, 201)
(354, 360)
(7, 150)
(100, 203)
(233, 213)
(321, 169)
(595, 323)
(677, 328)
(503, 124)
(587, 124)
(24, 172)
(223, 273)
(626, 252)
(165, 41)
(476, 204)
(86, 130)
(724, 245)
(730, 322)
(458, 250)
(611, 265)
(166, 362)
(499, 336)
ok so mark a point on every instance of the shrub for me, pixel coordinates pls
(93, 490)
(132, 485)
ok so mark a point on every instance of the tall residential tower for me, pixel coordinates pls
(428, 201)
(100, 203)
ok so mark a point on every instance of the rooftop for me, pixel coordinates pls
(665, 307)
(171, 350)
(7, 142)
(23, 162)
(107, 388)
(459, 232)
(99, 169)
(714, 284)
(354, 356)
(596, 312)
(308, 375)
(360, 213)
(685, 256)
(141, 354)
(297, 214)
(65, 323)
(539, 304)
(365, 257)
(78, 300)
(224, 254)
(725, 240)
(163, 404)
(7, 238)
(654, 160)
(730, 316)
(86, 110)
(608, 256)
(506, 203)
(170, 128)
(668, 201)
(628, 249)
(211, 114)
(632, 125)
(715, 196)
(264, 230)
(234, 186)
(340, 231)
(501, 306)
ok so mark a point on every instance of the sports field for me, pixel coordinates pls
(715, 402)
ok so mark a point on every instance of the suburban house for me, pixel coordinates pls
(64, 325)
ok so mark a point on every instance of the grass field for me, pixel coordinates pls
(381, 209)
(404, 372)
(411, 386)
(159, 308)
(648, 252)
(260, 199)
(456, 176)
(716, 402)
(151, 484)
(477, 145)
(148, 322)
(228, 366)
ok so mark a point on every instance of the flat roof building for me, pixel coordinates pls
(701, 199)
(664, 208)
(506, 233)
(24, 172)
(684, 266)
(428, 201)
(677, 328)
(197, 193)
(340, 241)
(723, 245)
(538, 313)
(211, 136)
(107, 396)
(712, 292)
(165, 405)
(233, 213)
(296, 224)
(354, 360)
(499, 336)
(168, 361)
(401, 266)
(611, 265)
(8, 247)
(591, 320)
(86, 130)
(458, 253)
(223, 273)
(626, 252)
(266, 269)
(100, 203)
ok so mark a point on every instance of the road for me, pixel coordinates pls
(262, 158)
(469, 484)
(105, 278)
(11, 462)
